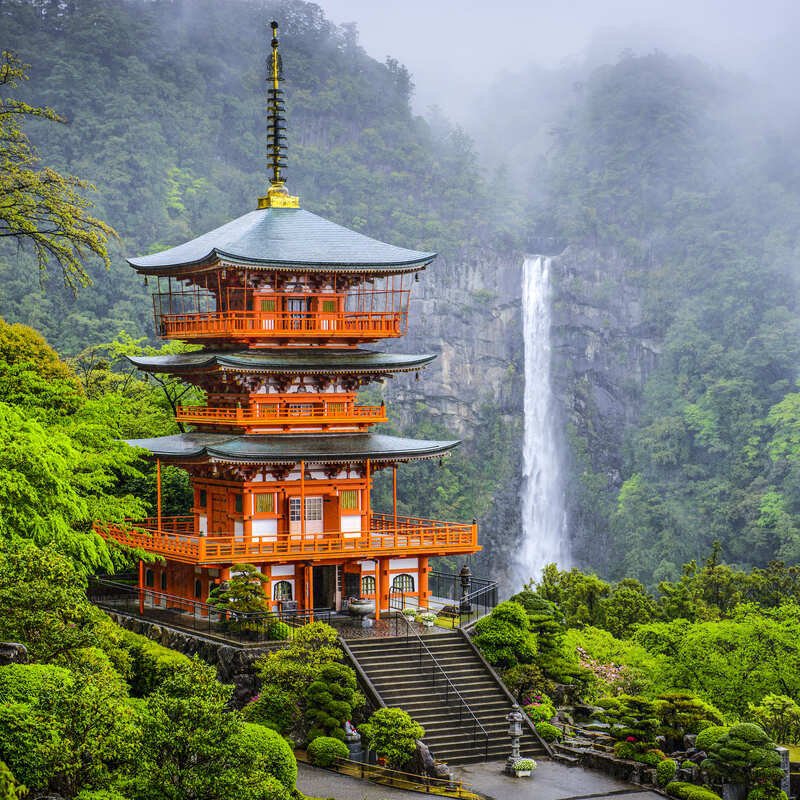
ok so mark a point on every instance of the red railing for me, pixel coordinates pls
(282, 325)
(281, 414)
(410, 535)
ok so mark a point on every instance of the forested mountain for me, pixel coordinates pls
(673, 186)
(676, 189)
(166, 108)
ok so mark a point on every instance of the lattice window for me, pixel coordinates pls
(328, 306)
(403, 583)
(348, 499)
(313, 509)
(265, 504)
(294, 509)
(282, 590)
(268, 305)
(368, 584)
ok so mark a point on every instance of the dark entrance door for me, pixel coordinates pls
(324, 587)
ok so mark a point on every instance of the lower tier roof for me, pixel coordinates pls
(286, 449)
(306, 360)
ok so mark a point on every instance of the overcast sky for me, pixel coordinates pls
(456, 47)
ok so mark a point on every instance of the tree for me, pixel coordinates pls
(39, 206)
(393, 734)
(243, 593)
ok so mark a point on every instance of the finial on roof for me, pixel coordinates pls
(277, 195)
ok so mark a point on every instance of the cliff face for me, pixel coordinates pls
(469, 312)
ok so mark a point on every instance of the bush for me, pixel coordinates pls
(268, 752)
(504, 636)
(548, 732)
(736, 754)
(151, 662)
(689, 791)
(324, 751)
(627, 751)
(708, 736)
(331, 700)
(651, 758)
(392, 734)
(665, 771)
(543, 711)
(526, 681)
(278, 631)
(680, 713)
(767, 792)
(275, 708)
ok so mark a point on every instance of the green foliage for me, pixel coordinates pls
(681, 713)
(244, 592)
(331, 700)
(42, 208)
(526, 681)
(548, 732)
(278, 631)
(540, 710)
(630, 717)
(324, 751)
(665, 771)
(274, 708)
(709, 735)
(737, 754)
(690, 791)
(151, 663)
(504, 636)
(9, 788)
(393, 735)
(779, 716)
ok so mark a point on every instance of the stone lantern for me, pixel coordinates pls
(465, 578)
(514, 719)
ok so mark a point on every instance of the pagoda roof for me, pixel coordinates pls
(285, 239)
(295, 361)
(288, 449)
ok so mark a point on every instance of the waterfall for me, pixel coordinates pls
(544, 520)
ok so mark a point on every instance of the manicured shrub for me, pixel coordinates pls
(735, 755)
(526, 681)
(631, 718)
(690, 791)
(274, 708)
(542, 711)
(392, 734)
(324, 751)
(627, 751)
(151, 662)
(505, 637)
(651, 758)
(709, 735)
(331, 700)
(665, 771)
(548, 732)
(278, 631)
(680, 713)
(268, 752)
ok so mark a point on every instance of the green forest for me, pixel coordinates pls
(684, 618)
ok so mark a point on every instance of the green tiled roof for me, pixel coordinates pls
(295, 361)
(287, 449)
(285, 238)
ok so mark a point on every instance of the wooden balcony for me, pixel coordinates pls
(286, 416)
(342, 327)
(401, 536)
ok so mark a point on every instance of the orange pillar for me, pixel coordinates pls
(394, 496)
(310, 591)
(141, 587)
(423, 581)
(381, 586)
(302, 503)
(368, 498)
(158, 493)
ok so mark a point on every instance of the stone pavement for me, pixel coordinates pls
(550, 781)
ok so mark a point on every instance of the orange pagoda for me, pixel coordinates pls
(282, 456)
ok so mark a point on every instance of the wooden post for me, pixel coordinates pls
(158, 493)
(394, 498)
(141, 587)
(423, 581)
(310, 591)
(368, 505)
(381, 586)
(302, 504)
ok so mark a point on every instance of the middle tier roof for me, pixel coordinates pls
(287, 449)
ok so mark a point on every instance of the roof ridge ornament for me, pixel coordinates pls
(277, 195)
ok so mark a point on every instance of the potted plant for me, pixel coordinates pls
(410, 614)
(523, 767)
(428, 618)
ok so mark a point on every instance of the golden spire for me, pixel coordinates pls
(277, 196)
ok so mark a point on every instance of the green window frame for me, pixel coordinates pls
(348, 499)
(265, 503)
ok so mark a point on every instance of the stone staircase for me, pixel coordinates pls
(402, 679)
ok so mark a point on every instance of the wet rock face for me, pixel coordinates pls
(13, 653)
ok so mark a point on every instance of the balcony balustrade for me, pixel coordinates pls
(177, 540)
(347, 326)
(299, 412)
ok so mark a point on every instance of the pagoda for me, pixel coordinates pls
(282, 456)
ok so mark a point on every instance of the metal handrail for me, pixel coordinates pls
(450, 686)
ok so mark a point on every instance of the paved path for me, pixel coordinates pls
(550, 781)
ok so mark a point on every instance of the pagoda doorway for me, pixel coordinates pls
(325, 582)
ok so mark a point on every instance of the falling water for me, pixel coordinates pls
(544, 521)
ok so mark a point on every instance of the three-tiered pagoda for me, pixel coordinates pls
(282, 456)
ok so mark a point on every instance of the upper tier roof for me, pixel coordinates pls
(297, 361)
(286, 449)
(285, 239)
